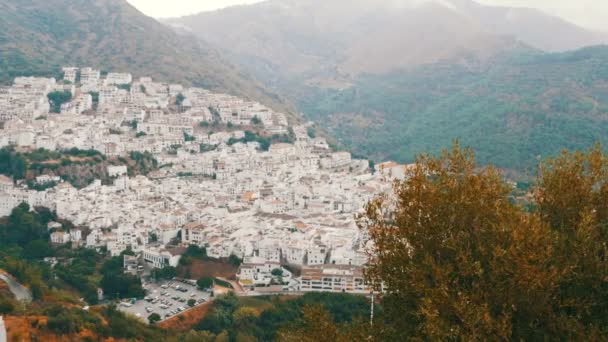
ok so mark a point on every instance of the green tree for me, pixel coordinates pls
(167, 272)
(18, 167)
(6, 306)
(198, 336)
(196, 252)
(188, 137)
(125, 86)
(572, 199)
(185, 260)
(191, 302)
(23, 226)
(179, 99)
(37, 249)
(245, 318)
(311, 133)
(317, 325)
(94, 98)
(57, 98)
(120, 285)
(153, 318)
(205, 283)
(222, 337)
(234, 260)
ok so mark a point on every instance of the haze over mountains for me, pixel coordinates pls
(363, 36)
(394, 78)
(38, 37)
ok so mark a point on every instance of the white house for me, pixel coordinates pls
(115, 78)
(89, 75)
(70, 74)
(60, 237)
(316, 255)
(117, 170)
(254, 272)
(160, 257)
(336, 160)
(75, 235)
(194, 234)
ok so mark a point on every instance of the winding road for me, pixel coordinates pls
(21, 292)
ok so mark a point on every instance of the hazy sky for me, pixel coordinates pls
(589, 13)
(176, 8)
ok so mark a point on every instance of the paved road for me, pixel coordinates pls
(21, 292)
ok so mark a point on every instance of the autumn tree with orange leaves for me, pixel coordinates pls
(460, 261)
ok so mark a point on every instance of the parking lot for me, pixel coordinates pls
(167, 298)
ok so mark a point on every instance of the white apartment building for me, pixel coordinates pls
(336, 160)
(117, 170)
(334, 278)
(75, 235)
(89, 75)
(316, 255)
(164, 128)
(60, 237)
(254, 272)
(70, 74)
(115, 78)
(194, 234)
(160, 257)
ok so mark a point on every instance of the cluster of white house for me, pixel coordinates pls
(100, 107)
(294, 204)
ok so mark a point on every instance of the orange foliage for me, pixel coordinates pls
(460, 261)
(30, 328)
(186, 321)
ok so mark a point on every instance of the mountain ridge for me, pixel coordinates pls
(300, 38)
(293, 40)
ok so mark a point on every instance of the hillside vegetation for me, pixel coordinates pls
(78, 167)
(511, 111)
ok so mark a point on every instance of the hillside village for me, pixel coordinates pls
(233, 177)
